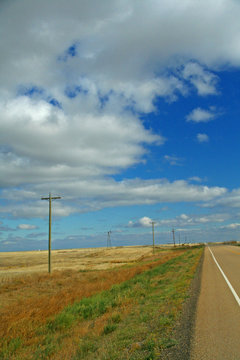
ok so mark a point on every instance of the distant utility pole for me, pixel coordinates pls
(50, 198)
(179, 239)
(109, 239)
(173, 233)
(153, 236)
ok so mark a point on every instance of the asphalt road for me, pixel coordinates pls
(217, 327)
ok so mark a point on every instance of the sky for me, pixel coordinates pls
(128, 110)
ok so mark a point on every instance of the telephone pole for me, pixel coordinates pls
(109, 239)
(173, 233)
(153, 236)
(50, 198)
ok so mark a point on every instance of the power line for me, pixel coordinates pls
(50, 198)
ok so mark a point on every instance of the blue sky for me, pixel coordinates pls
(128, 110)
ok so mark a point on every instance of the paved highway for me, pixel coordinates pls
(217, 330)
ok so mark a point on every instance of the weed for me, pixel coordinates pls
(9, 348)
(168, 342)
(62, 321)
(109, 328)
(84, 348)
(116, 318)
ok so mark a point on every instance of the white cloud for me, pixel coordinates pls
(231, 199)
(195, 220)
(184, 217)
(145, 221)
(201, 138)
(91, 195)
(231, 226)
(37, 209)
(204, 81)
(121, 53)
(200, 115)
(183, 221)
(143, 37)
(42, 143)
(173, 160)
(27, 227)
(212, 218)
(196, 179)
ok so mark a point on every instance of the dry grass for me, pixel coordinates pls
(19, 263)
(28, 300)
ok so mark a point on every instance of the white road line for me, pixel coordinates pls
(226, 279)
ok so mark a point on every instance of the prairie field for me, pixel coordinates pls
(19, 263)
(23, 274)
(92, 296)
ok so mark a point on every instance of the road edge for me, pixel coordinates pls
(184, 329)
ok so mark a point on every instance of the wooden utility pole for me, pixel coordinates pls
(173, 233)
(50, 198)
(109, 239)
(153, 236)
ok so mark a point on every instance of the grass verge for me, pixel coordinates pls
(132, 320)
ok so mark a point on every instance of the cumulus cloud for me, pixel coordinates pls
(74, 81)
(231, 226)
(27, 227)
(231, 199)
(145, 221)
(195, 220)
(182, 222)
(40, 142)
(200, 115)
(204, 81)
(196, 179)
(38, 209)
(74, 40)
(201, 138)
(184, 217)
(84, 195)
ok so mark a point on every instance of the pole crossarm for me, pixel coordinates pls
(52, 198)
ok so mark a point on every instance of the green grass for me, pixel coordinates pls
(147, 330)
(9, 348)
(154, 299)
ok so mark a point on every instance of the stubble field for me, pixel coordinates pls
(20, 263)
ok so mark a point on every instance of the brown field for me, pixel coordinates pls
(28, 262)
(29, 295)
